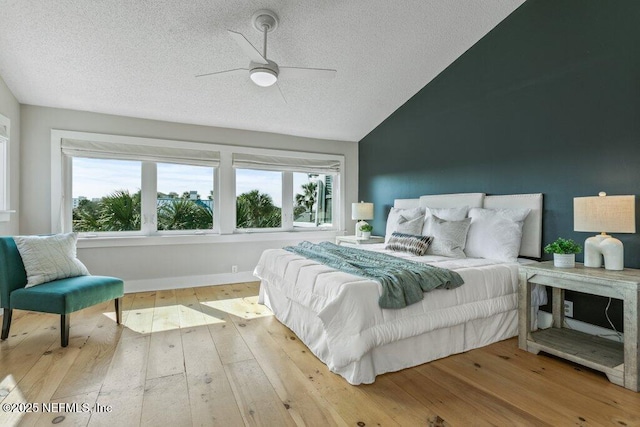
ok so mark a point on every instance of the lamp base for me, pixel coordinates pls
(604, 246)
(358, 225)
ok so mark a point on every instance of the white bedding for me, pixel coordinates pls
(337, 315)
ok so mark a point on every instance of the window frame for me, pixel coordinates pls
(224, 187)
(5, 135)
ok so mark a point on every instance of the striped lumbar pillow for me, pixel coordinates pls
(413, 244)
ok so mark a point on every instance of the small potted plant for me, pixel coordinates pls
(366, 230)
(564, 252)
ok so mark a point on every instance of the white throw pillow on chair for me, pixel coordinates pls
(48, 258)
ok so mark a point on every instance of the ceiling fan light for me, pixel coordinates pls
(263, 77)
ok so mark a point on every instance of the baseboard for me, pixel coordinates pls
(545, 320)
(165, 283)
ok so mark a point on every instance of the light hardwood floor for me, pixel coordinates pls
(213, 356)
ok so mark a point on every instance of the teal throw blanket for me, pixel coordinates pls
(403, 282)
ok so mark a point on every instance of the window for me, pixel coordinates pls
(312, 200)
(260, 195)
(184, 197)
(106, 195)
(143, 186)
(258, 199)
(129, 187)
(295, 189)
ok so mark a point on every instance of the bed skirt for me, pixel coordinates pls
(394, 356)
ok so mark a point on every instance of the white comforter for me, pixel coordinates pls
(347, 305)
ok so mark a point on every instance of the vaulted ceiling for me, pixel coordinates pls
(140, 58)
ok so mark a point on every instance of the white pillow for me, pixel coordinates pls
(47, 258)
(449, 237)
(403, 221)
(448, 214)
(495, 233)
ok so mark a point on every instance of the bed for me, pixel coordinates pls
(338, 318)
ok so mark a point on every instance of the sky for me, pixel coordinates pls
(96, 178)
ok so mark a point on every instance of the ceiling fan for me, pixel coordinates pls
(263, 71)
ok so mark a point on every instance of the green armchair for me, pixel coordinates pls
(62, 296)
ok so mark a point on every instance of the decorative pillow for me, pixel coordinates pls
(495, 233)
(449, 237)
(48, 258)
(402, 220)
(409, 226)
(413, 244)
(448, 214)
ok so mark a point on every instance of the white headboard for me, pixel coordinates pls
(473, 200)
(531, 245)
(406, 203)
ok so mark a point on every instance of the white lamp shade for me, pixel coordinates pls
(605, 214)
(362, 210)
(263, 77)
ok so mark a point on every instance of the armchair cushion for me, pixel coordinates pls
(67, 295)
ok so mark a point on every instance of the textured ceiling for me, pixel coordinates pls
(140, 58)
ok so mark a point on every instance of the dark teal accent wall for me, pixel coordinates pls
(548, 101)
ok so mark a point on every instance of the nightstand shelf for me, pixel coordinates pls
(353, 240)
(587, 350)
(620, 362)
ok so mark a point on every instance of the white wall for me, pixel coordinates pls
(141, 263)
(9, 107)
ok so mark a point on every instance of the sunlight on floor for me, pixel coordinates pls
(11, 395)
(247, 308)
(205, 313)
(111, 315)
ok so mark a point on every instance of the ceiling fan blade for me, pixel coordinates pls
(222, 72)
(248, 48)
(307, 73)
(281, 93)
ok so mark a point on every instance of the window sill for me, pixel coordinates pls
(5, 216)
(182, 239)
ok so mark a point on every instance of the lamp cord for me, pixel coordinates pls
(606, 313)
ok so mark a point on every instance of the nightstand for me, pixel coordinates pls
(618, 361)
(359, 240)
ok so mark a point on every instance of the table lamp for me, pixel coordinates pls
(361, 211)
(602, 213)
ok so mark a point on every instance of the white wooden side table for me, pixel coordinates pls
(619, 361)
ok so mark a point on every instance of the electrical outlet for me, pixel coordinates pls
(234, 268)
(568, 308)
